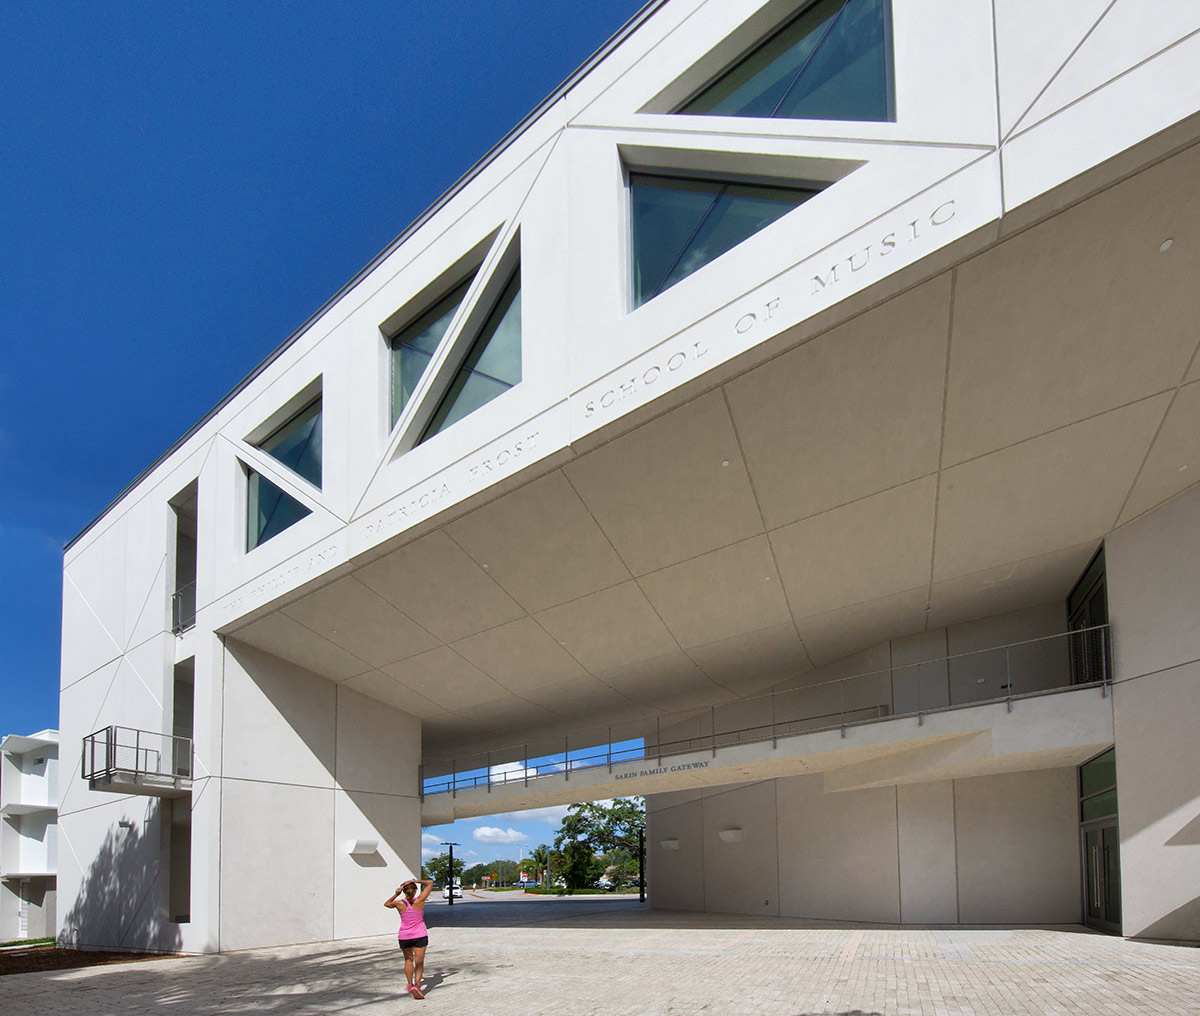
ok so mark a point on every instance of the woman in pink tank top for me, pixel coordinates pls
(413, 935)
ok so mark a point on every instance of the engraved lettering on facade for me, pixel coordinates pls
(628, 387)
(499, 460)
(859, 259)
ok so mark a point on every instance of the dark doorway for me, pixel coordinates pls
(1087, 616)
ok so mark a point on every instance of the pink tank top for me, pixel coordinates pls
(412, 924)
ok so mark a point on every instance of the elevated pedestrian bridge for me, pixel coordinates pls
(1039, 730)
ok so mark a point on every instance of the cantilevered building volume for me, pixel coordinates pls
(795, 419)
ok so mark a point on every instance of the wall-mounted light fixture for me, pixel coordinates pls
(360, 847)
(731, 835)
(669, 844)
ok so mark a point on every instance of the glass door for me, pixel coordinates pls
(1102, 865)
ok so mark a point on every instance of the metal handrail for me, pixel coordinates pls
(183, 608)
(136, 752)
(1092, 665)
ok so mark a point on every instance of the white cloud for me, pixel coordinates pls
(470, 853)
(428, 852)
(552, 815)
(429, 840)
(492, 834)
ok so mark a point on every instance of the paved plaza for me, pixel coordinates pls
(606, 955)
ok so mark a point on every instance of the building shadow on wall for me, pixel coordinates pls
(119, 903)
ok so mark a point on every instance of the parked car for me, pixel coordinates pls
(457, 890)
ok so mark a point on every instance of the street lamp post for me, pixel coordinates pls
(450, 883)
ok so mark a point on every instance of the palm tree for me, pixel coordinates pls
(541, 857)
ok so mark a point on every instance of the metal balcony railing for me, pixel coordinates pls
(955, 681)
(183, 608)
(129, 757)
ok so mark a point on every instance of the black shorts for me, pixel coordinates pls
(414, 943)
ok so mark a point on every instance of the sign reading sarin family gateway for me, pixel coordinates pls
(662, 769)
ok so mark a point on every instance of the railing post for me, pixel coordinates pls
(489, 784)
(610, 749)
(774, 734)
(713, 729)
(421, 781)
(842, 704)
(453, 779)
(1105, 675)
(567, 755)
(658, 738)
(1008, 675)
(526, 771)
(920, 711)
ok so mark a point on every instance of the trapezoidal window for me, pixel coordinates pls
(297, 445)
(492, 366)
(680, 224)
(831, 62)
(414, 346)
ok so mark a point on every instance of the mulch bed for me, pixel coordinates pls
(47, 957)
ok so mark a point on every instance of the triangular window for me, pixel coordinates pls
(269, 510)
(679, 224)
(832, 62)
(297, 443)
(413, 348)
(492, 366)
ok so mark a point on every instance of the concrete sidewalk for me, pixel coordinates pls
(600, 955)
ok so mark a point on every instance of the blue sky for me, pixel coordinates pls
(181, 185)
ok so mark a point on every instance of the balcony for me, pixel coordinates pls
(998, 675)
(128, 761)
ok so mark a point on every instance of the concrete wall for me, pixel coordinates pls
(308, 767)
(986, 850)
(1154, 602)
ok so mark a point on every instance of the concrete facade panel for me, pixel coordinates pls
(838, 853)
(741, 853)
(928, 863)
(1018, 848)
(277, 851)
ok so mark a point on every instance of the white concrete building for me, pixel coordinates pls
(803, 400)
(28, 834)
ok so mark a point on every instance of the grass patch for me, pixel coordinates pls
(27, 941)
(559, 891)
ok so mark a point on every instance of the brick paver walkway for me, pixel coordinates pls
(599, 955)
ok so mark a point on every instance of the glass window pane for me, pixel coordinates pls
(269, 510)
(1099, 773)
(847, 78)
(491, 368)
(680, 225)
(830, 63)
(297, 444)
(757, 85)
(1099, 806)
(413, 348)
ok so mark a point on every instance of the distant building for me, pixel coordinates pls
(28, 835)
(795, 419)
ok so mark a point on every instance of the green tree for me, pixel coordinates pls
(474, 874)
(540, 855)
(604, 827)
(439, 869)
(580, 866)
(591, 829)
